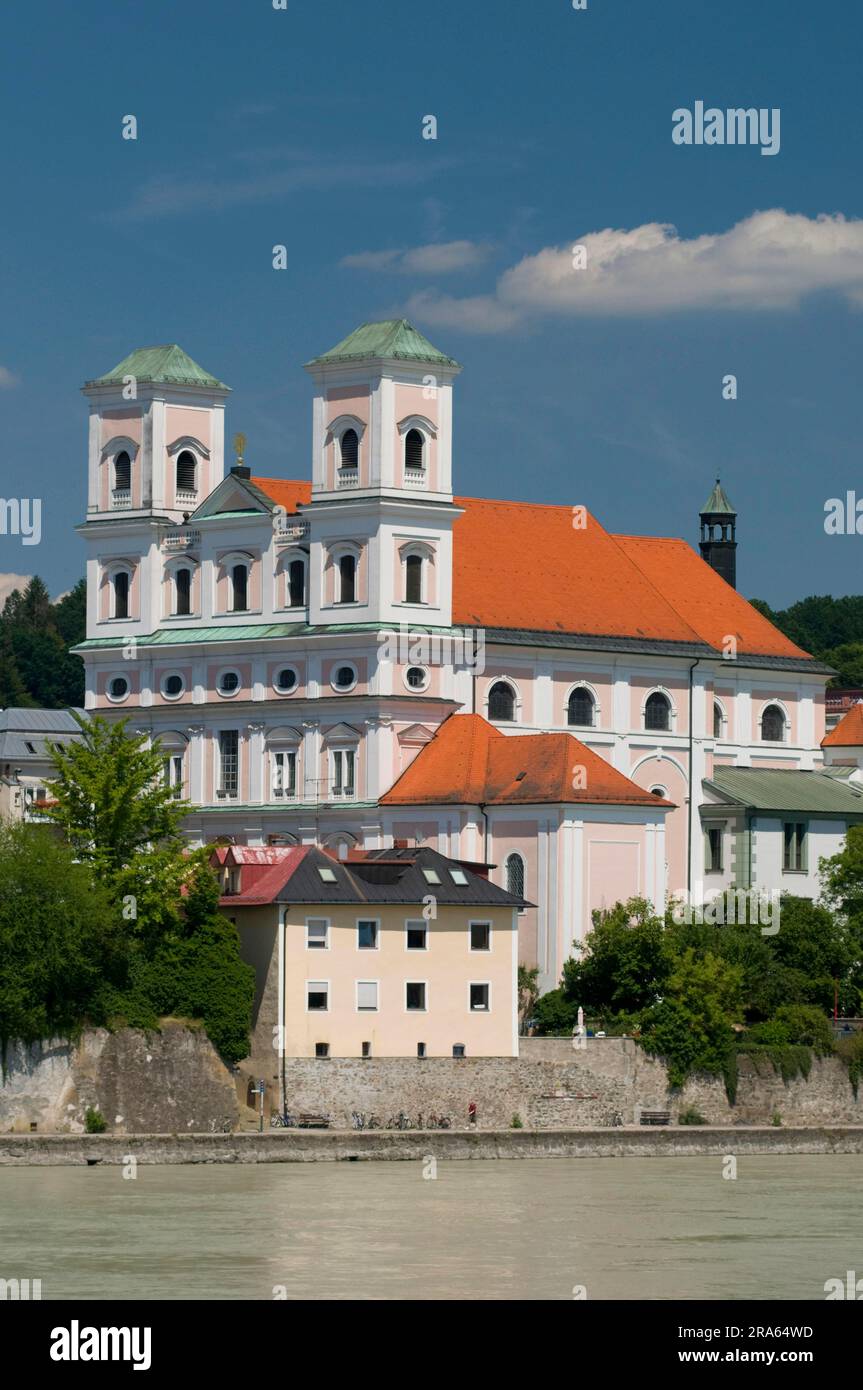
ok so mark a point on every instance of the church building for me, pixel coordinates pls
(366, 657)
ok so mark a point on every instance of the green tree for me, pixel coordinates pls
(111, 799)
(625, 962)
(690, 1027)
(59, 937)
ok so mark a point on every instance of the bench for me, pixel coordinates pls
(655, 1117)
(313, 1122)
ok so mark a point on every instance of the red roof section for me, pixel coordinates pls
(848, 732)
(264, 870)
(566, 573)
(702, 597)
(470, 762)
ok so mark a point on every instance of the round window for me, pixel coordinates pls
(229, 683)
(286, 680)
(172, 686)
(416, 677)
(344, 678)
(118, 688)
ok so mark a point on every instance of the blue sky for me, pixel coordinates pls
(304, 127)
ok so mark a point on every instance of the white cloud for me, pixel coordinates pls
(8, 582)
(437, 258)
(768, 261)
(7, 379)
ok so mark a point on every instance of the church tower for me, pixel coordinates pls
(718, 543)
(382, 511)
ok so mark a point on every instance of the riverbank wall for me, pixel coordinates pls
(314, 1146)
(172, 1081)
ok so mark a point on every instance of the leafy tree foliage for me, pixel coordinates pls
(60, 938)
(829, 628)
(36, 667)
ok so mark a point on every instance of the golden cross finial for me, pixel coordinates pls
(239, 446)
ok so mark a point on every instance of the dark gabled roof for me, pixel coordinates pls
(382, 876)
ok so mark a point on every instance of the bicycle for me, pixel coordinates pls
(358, 1119)
(399, 1121)
(282, 1121)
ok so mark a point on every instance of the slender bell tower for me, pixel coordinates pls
(718, 543)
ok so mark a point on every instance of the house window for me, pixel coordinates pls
(480, 936)
(229, 763)
(187, 473)
(296, 584)
(458, 877)
(350, 449)
(322, 1049)
(284, 775)
(367, 996)
(421, 1050)
(122, 472)
(458, 1050)
(480, 996)
(327, 875)
(173, 686)
(794, 847)
(317, 934)
(416, 678)
(414, 447)
(366, 1049)
(228, 683)
(121, 594)
(347, 579)
(118, 688)
(344, 678)
(416, 934)
(414, 579)
(713, 849)
(286, 680)
(343, 772)
(431, 875)
(415, 996)
(515, 876)
(239, 589)
(580, 708)
(172, 772)
(182, 592)
(317, 996)
(657, 712)
(717, 720)
(367, 936)
(773, 725)
(501, 702)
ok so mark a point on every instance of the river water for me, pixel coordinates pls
(623, 1228)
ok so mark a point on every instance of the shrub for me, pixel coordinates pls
(691, 1116)
(94, 1121)
(776, 1119)
(769, 1034)
(851, 1052)
(554, 1015)
(516, 1122)
(807, 1024)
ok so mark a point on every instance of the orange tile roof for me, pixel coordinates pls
(848, 733)
(523, 565)
(469, 762)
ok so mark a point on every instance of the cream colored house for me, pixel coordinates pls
(396, 952)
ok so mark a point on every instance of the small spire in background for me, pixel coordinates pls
(240, 448)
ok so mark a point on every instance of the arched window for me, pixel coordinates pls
(414, 579)
(501, 702)
(414, 444)
(581, 708)
(350, 449)
(239, 589)
(187, 472)
(717, 719)
(347, 579)
(296, 584)
(183, 590)
(122, 472)
(773, 725)
(657, 712)
(515, 875)
(121, 594)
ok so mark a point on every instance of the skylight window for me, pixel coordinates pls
(458, 876)
(327, 875)
(431, 875)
